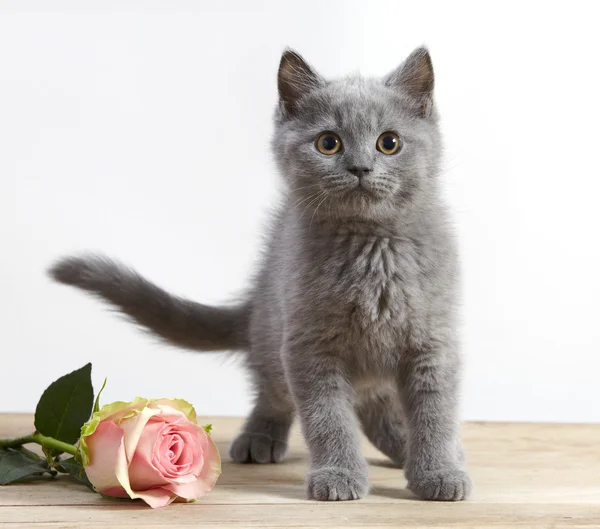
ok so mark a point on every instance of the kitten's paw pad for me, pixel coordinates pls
(441, 485)
(332, 484)
(257, 448)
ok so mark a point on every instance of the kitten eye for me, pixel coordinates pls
(389, 143)
(329, 143)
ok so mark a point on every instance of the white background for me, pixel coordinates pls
(141, 130)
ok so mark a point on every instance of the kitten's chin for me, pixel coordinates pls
(360, 204)
(358, 194)
(362, 197)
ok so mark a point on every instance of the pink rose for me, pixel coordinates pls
(149, 449)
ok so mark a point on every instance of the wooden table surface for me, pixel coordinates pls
(525, 475)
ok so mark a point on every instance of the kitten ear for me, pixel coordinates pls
(296, 79)
(414, 77)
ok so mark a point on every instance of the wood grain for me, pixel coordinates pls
(525, 475)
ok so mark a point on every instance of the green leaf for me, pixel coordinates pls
(97, 401)
(28, 453)
(208, 428)
(72, 467)
(15, 465)
(66, 405)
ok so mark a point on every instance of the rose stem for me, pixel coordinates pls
(46, 442)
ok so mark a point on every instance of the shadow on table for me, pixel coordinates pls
(394, 493)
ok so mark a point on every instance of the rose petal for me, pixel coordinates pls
(189, 445)
(133, 428)
(190, 491)
(178, 404)
(115, 492)
(103, 445)
(211, 469)
(117, 410)
(122, 470)
(171, 415)
(164, 464)
(187, 478)
(159, 497)
(206, 479)
(143, 474)
(173, 446)
(167, 453)
(183, 454)
(196, 438)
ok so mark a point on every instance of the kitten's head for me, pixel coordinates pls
(361, 147)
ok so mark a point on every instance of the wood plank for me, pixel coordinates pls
(527, 475)
(312, 514)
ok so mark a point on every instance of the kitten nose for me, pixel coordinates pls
(359, 171)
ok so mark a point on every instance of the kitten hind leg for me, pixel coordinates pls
(382, 421)
(264, 438)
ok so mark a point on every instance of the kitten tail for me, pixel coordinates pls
(178, 321)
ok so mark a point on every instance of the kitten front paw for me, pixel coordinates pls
(440, 485)
(333, 484)
(257, 448)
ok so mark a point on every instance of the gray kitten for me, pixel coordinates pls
(351, 321)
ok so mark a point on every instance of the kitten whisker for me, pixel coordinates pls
(309, 204)
(316, 209)
(303, 187)
(304, 199)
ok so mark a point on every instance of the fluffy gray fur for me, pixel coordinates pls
(351, 322)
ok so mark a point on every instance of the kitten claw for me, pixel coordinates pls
(257, 448)
(441, 485)
(334, 484)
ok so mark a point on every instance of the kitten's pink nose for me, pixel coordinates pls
(359, 171)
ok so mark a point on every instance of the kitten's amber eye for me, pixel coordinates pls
(389, 143)
(329, 143)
